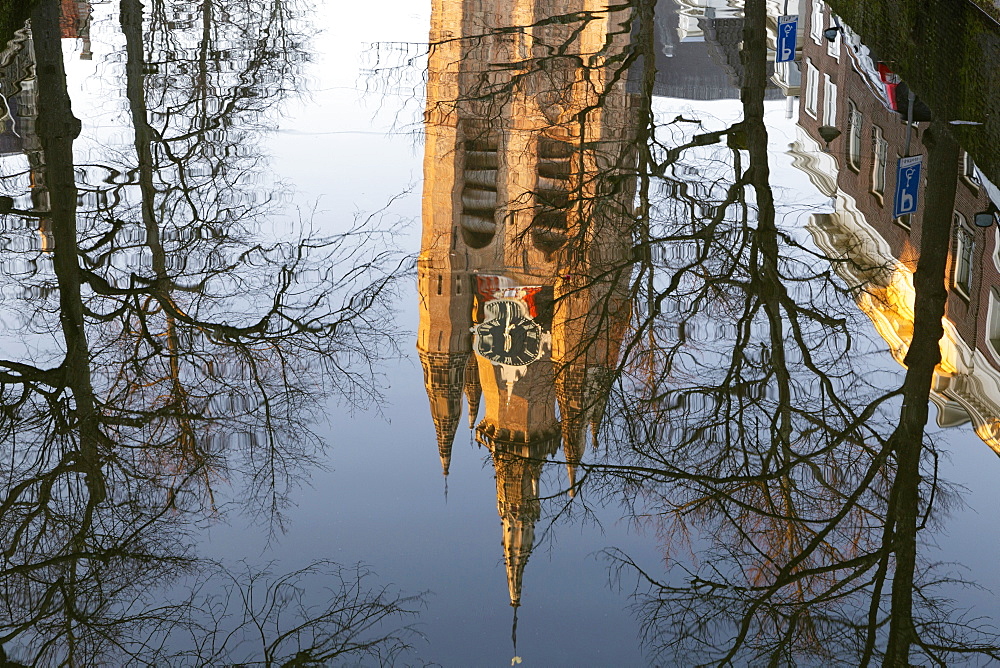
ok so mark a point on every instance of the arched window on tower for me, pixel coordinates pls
(479, 187)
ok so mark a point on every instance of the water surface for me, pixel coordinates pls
(482, 333)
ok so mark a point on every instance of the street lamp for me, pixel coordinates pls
(828, 133)
(986, 218)
(831, 33)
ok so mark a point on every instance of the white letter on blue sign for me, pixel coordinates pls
(907, 185)
(787, 25)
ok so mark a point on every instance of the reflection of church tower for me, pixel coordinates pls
(518, 470)
(529, 182)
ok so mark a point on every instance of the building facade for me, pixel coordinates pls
(845, 86)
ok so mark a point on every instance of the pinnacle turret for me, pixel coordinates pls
(571, 386)
(473, 390)
(444, 378)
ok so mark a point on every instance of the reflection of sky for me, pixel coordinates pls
(383, 503)
(967, 461)
(382, 500)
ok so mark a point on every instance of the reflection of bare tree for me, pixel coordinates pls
(222, 619)
(278, 332)
(749, 423)
(189, 349)
(529, 184)
(748, 429)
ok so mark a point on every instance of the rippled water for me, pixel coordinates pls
(488, 333)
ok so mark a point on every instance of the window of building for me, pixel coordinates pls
(967, 171)
(812, 89)
(833, 48)
(816, 23)
(880, 150)
(993, 325)
(996, 247)
(853, 136)
(788, 74)
(962, 257)
(829, 101)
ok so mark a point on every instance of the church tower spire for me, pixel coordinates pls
(518, 465)
(473, 390)
(526, 200)
(571, 381)
(444, 377)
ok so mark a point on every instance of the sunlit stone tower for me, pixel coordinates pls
(529, 181)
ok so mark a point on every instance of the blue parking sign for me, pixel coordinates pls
(907, 185)
(785, 48)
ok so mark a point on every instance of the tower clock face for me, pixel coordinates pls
(508, 335)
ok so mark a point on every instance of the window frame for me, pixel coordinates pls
(812, 89)
(880, 162)
(967, 172)
(816, 22)
(855, 122)
(829, 101)
(964, 257)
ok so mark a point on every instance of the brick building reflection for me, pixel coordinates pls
(19, 106)
(699, 45)
(529, 182)
(843, 87)
(74, 23)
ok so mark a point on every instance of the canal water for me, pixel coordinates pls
(489, 332)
